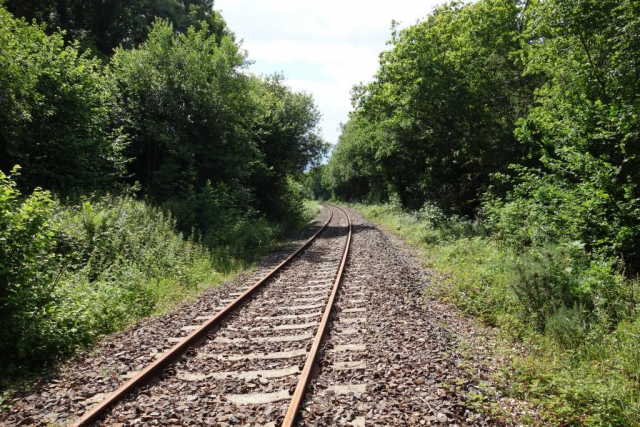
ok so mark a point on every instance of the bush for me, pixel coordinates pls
(546, 281)
(567, 326)
(431, 214)
(29, 267)
(215, 216)
(563, 277)
(580, 202)
(70, 274)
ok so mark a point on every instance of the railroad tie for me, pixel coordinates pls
(348, 365)
(320, 298)
(243, 375)
(354, 310)
(258, 398)
(290, 316)
(348, 347)
(274, 328)
(255, 356)
(353, 320)
(277, 338)
(348, 388)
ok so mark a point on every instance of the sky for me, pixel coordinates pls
(323, 47)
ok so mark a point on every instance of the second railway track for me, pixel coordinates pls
(253, 366)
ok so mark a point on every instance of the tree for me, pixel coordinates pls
(102, 26)
(447, 98)
(287, 135)
(56, 112)
(354, 171)
(315, 188)
(187, 107)
(198, 120)
(585, 121)
(287, 128)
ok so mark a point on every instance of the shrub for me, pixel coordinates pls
(567, 326)
(70, 274)
(563, 276)
(432, 214)
(546, 281)
(217, 216)
(29, 267)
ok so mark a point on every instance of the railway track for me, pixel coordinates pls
(251, 363)
(388, 354)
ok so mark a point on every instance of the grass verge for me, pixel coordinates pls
(581, 363)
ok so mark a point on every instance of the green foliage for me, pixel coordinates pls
(72, 274)
(530, 106)
(440, 115)
(217, 221)
(577, 316)
(28, 264)
(562, 277)
(585, 119)
(56, 112)
(595, 384)
(286, 129)
(105, 25)
(580, 202)
(314, 186)
(187, 108)
(195, 117)
(567, 326)
(352, 172)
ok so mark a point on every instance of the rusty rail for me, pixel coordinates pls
(298, 394)
(197, 336)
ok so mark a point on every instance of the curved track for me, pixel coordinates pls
(256, 355)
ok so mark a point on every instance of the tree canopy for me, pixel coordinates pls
(172, 110)
(103, 26)
(56, 112)
(531, 105)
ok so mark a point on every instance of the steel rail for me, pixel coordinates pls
(303, 382)
(197, 336)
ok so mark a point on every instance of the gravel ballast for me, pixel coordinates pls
(402, 362)
(390, 357)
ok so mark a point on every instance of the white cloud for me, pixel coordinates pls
(335, 42)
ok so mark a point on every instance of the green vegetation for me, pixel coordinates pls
(152, 164)
(71, 273)
(524, 112)
(56, 115)
(313, 186)
(502, 137)
(577, 317)
(106, 25)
